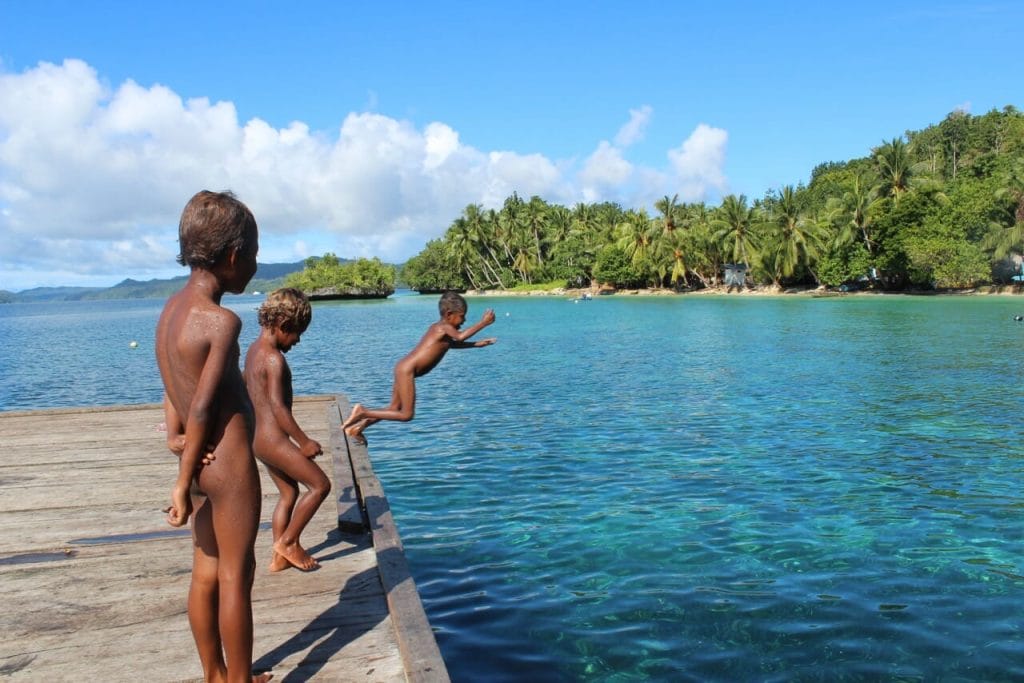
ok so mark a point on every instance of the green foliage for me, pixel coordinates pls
(327, 272)
(433, 270)
(540, 286)
(845, 264)
(960, 182)
(946, 263)
(614, 267)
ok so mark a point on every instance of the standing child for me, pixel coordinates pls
(439, 337)
(280, 443)
(197, 353)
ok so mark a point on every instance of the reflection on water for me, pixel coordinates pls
(666, 489)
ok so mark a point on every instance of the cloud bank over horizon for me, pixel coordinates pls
(94, 177)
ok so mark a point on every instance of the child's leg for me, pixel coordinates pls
(202, 595)
(288, 489)
(401, 409)
(232, 486)
(290, 462)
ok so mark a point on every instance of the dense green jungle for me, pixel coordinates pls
(940, 208)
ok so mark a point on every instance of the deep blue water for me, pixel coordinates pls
(669, 489)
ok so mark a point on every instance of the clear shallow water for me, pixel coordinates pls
(684, 489)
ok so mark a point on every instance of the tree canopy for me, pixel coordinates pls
(328, 275)
(941, 207)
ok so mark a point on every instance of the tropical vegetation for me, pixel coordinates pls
(938, 208)
(328, 276)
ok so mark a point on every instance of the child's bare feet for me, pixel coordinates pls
(355, 416)
(356, 432)
(279, 563)
(296, 556)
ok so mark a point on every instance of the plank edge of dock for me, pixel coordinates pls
(421, 656)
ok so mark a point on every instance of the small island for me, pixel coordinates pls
(328, 278)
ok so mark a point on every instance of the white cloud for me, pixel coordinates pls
(633, 131)
(603, 172)
(93, 177)
(699, 163)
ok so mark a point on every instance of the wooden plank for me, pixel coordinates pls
(97, 590)
(416, 641)
(350, 512)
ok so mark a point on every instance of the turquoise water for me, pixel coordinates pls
(669, 489)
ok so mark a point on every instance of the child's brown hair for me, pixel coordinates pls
(452, 302)
(212, 225)
(286, 308)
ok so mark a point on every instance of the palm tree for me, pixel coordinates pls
(480, 231)
(669, 209)
(559, 224)
(895, 168)
(461, 250)
(854, 212)
(735, 228)
(636, 236)
(705, 260)
(794, 238)
(1006, 238)
(534, 218)
(1012, 188)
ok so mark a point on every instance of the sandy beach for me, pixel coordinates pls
(577, 293)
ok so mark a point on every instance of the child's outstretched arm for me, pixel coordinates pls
(460, 337)
(473, 344)
(275, 379)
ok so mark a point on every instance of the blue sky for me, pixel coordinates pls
(364, 129)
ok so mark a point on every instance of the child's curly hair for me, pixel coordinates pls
(286, 308)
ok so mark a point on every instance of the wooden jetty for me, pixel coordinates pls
(93, 581)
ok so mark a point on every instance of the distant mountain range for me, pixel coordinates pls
(268, 276)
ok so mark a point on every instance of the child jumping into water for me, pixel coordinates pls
(197, 353)
(280, 443)
(439, 337)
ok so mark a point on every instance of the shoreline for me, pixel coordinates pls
(818, 292)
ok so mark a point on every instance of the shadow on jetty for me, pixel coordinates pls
(340, 624)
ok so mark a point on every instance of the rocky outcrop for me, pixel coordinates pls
(335, 293)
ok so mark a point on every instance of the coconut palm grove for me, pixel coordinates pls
(939, 208)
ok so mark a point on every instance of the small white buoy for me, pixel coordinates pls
(133, 344)
(507, 314)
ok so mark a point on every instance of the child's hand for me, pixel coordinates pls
(180, 508)
(311, 449)
(488, 317)
(487, 342)
(176, 444)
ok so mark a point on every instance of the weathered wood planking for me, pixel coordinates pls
(422, 657)
(350, 512)
(83, 600)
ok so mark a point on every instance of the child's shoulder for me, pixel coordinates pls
(440, 329)
(225, 316)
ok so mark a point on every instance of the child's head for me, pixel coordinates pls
(452, 302)
(213, 225)
(287, 309)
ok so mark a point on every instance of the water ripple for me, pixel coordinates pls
(676, 490)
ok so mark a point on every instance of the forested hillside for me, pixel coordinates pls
(939, 208)
(268, 276)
